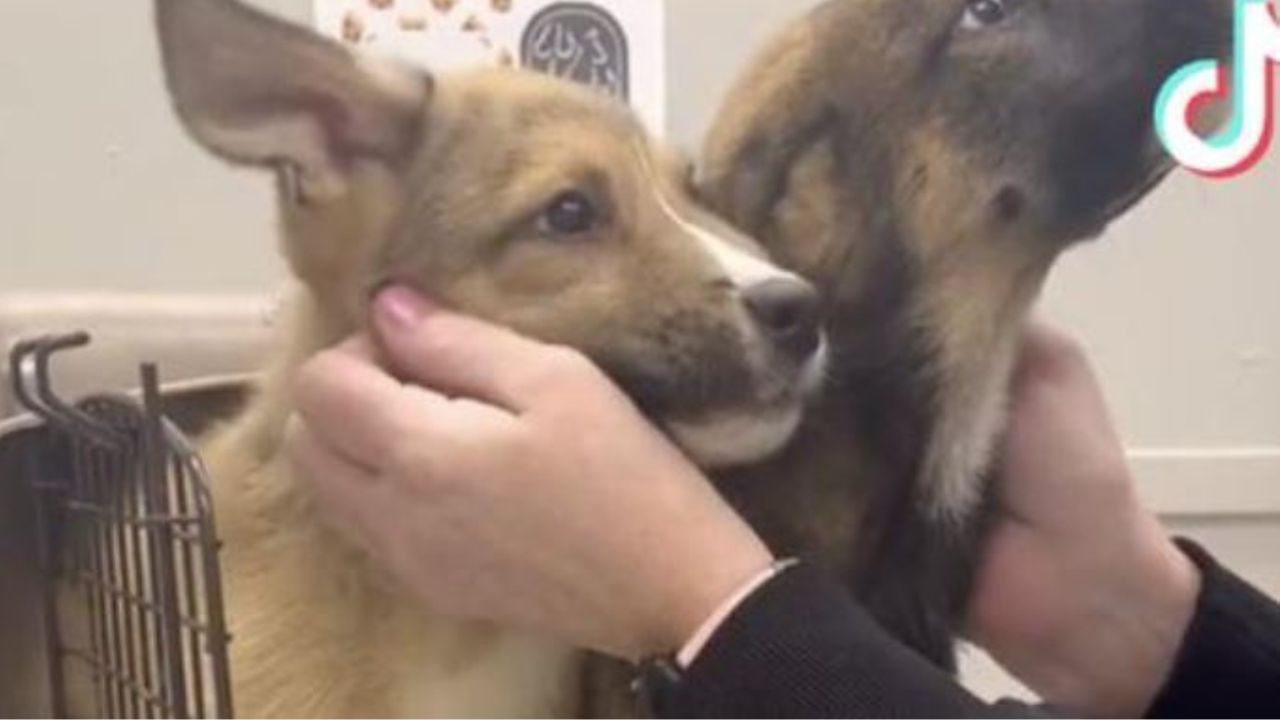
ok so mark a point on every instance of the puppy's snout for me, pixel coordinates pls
(788, 314)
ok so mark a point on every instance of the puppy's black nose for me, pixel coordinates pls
(788, 314)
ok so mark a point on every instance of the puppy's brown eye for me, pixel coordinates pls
(571, 213)
(985, 13)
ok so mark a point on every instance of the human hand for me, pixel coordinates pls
(508, 480)
(1081, 594)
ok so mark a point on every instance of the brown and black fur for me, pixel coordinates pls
(925, 176)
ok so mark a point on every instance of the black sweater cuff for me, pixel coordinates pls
(1229, 663)
(800, 647)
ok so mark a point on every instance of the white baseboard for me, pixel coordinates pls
(1189, 482)
(189, 337)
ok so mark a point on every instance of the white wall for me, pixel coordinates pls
(100, 188)
(708, 42)
(1181, 310)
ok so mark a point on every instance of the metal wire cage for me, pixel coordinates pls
(127, 551)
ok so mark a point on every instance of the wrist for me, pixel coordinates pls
(708, 591)
(693, 647)
(1114, 659)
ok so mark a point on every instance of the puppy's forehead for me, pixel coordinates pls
(487, 128)
(532, 103)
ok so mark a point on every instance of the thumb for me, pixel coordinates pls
(427, 345)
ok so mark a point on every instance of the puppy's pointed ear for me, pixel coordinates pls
(259, 91)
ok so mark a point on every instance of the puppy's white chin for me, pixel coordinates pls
(738, 438)
(731, 439)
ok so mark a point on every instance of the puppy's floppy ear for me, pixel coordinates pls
(259, 91)
(777, 109)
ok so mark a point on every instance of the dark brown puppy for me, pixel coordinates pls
(924, 162)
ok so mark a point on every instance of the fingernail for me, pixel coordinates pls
(401, 308)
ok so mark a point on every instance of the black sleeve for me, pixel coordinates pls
(800, 647)
(1229, 664)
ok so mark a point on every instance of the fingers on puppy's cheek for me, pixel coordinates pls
(297, 442)
(360, 347)
(347, 494)
(303, 454)
(350, 403)
(322, 463)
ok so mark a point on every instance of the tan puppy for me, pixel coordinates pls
(516, 198)
(924, 162)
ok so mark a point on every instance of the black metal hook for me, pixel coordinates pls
(18, 356)
(35, 356)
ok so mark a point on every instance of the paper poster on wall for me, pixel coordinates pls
(616, 46)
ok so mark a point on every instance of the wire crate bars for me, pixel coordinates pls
(132, 596)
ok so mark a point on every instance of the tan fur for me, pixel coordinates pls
(445, 185)
(317, 630)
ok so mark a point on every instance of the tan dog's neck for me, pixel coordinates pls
(328, 246)
(306, 329)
